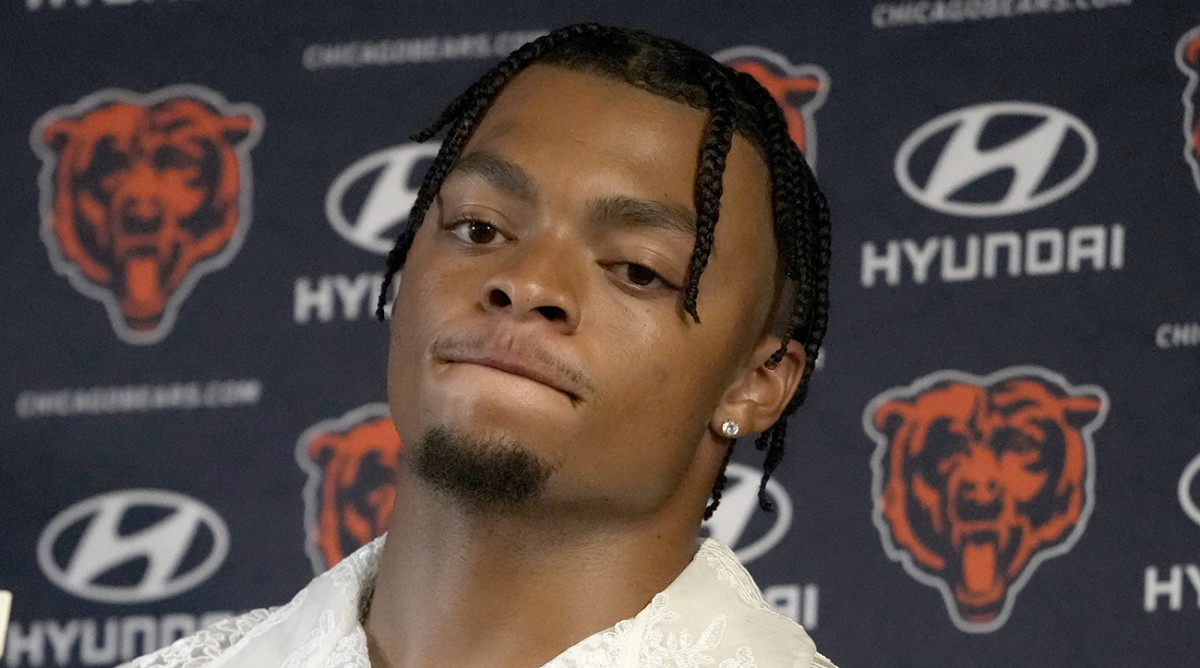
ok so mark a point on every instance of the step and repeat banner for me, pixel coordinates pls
(999, 463)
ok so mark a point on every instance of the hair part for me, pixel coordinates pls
(736, 103)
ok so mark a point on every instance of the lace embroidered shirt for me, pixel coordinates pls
(712, 614)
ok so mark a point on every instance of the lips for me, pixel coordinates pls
(514, 356)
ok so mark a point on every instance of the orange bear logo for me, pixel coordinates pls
(798, 89)
(1187, 56)
(142, 194)
(978, 480)
(351, 463)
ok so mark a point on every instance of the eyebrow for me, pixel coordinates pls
(648, 213)
(629, 211)
(498, 173)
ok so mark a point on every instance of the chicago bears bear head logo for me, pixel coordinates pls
(351, 463)
(142, 194)
(1187, 56)
(977, 480)
(798, 89)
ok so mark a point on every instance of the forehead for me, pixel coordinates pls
(599, 119)
(558, 124)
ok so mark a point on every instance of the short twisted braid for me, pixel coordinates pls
(736, 103)
(714, 149)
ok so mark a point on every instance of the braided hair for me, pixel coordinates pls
(735, 102)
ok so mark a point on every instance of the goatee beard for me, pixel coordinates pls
(483, 475)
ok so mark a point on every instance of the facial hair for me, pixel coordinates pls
(482, 475)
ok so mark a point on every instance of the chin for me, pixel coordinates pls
(484, 421)
(483, 473)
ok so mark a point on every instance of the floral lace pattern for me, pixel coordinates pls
(712, 615)
(664, 647)
(336, 595)
(200, 649)
(600, 650)
(730, 570)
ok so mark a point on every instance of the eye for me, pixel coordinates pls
(169, 157)
(476, 232)
(1019, 443)
(106, 159)
(641, 276)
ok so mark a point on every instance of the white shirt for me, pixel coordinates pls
(711, 615)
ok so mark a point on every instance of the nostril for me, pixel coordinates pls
(971, 510)
(142, 207)
(134, 224)
(552, 313)
(499, 298)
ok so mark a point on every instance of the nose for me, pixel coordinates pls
(138, 201)
(982, 489)
(979, 488)
(137, 219)
(977, 503)
(536, 282)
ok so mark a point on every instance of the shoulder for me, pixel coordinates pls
(719, 595)
(319, 622)
(200, 648)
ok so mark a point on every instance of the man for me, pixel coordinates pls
(601, 277)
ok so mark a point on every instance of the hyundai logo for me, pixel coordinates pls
(1189, 498)
(387, 177)
(732, 522)
(996, 159)
(133, 546)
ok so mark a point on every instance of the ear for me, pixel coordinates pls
(58, 133)
(1080, 411)
(891, 415)
(758, 396)
(236, 128)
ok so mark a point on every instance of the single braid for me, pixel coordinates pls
(719, 483)
(710, 173)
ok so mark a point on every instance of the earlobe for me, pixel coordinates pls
(760, 394)
(730, 429)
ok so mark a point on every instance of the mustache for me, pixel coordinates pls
(515, 355)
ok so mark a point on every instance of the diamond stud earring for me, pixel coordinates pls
(730, 429)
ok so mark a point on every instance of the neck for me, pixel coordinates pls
(463, 587)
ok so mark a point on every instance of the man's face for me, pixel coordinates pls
(540, 306)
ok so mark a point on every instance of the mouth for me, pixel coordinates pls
(144, 299)
(521, 371)
(980, 565)
(983, 558)
(521, 360)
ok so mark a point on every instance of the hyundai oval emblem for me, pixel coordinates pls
(386, 176)
(732, 522)
(177, 543)
(1051, 155)
(1187, 498)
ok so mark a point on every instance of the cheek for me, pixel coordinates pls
(423, 290)
(406, 313)
(671, 393)
(660, 374)
(401, 375)
(413, 319)
(1022, 483)
(184, 197)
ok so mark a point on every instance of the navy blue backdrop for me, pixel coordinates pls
(999, 463)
